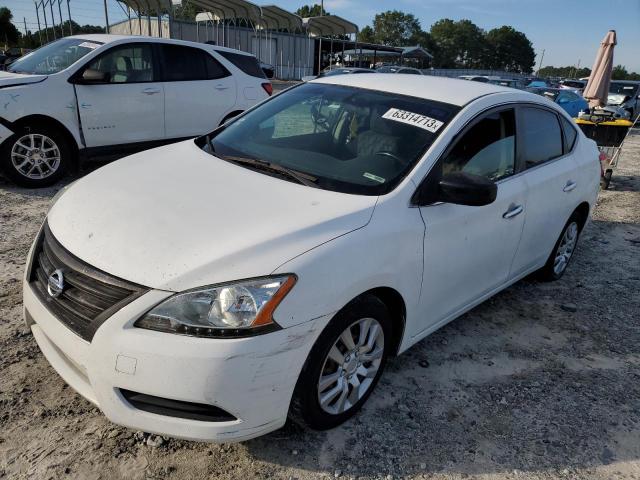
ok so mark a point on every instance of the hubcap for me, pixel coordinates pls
(566, 248)
(351, 366)
(35, 156)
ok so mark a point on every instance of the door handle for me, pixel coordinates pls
(569, 186)
(220, 86)
(514, 210)
(151, 91)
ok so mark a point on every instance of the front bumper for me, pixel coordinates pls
(251, 378)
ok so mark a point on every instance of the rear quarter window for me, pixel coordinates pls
(247, 63)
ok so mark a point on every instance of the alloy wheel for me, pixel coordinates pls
(566, 248)
(351, 366)
(35, 156)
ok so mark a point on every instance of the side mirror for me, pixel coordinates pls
(90, 76)
(466, 189)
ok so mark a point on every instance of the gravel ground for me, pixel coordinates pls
(540, 382)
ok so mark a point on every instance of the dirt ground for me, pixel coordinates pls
(540, 382)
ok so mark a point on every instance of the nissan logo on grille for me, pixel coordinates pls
(55, 284)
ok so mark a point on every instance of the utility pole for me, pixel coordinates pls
(106, 16)
(540, 64)
(24, 19)
(69, 13)
(39, 29)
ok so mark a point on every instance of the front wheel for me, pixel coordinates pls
(562, 251)
(35, 157)
(344, 365)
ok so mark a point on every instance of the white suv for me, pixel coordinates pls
(101, 96)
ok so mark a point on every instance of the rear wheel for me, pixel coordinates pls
(344, 365)
(562, 251)
(36, 156)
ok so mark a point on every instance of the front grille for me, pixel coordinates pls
(89, 295)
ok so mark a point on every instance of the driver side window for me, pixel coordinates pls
(126, 64)
(487, 149)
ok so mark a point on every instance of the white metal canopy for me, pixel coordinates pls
(329, 25)
(276, 18)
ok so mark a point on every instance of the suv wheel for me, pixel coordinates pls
(36, 156)
(344, 365)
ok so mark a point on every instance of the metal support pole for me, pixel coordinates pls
(320, 56)
(39, 29)
(46, 27)
(61, 21)
(53, 20)
(69, 15)
(149, 24)
(159, 23)
(106, 17)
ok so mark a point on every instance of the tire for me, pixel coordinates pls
(605, 181)
(42, 168)
(306, 407)
(551, 270)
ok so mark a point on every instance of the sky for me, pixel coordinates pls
(568, 31)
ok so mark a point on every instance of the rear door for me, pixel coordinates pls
(199, 91)
(128, 107)
(552, 178)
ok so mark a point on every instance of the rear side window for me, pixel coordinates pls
(126, 64)
(541, 136)
(247, 63)
(486, 149)
(185, 63)
(570, 134)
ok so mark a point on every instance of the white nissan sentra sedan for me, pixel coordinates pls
(211, 288)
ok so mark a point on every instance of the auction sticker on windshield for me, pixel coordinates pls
(417, 120)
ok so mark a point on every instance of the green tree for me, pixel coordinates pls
(9, 34)
(311, 11)
(367, 35)
(396, 28)
(461, 44)
(619, 72)
(509, 50)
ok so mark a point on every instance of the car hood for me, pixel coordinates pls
(9, 79)
(175, 218)
(615, 98)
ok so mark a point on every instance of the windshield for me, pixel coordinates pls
(623, 88)
(54, 57)
(346, 139)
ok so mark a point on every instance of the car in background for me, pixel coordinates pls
(570, 101)
(476, 78)
(398, 69)
(104, 96)
(625, 94)
(507, 82)
(212, 288)
(538, 84)
(572, 84)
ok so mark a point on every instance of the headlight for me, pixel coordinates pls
(234, 309)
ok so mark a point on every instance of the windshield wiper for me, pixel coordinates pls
(300, 177)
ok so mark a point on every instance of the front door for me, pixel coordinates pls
(468, 250)
(128, 107)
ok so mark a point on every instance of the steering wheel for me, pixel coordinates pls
(400, 162)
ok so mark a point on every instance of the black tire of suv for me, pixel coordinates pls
(547, 273)
(54, 134)
(305, 407)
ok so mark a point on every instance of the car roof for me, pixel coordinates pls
(441, 89)
(109, 38)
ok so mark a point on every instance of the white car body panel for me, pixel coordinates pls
(177, 218)
(209, 242)
(114, 114)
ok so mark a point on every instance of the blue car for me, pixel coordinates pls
(569, 100)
